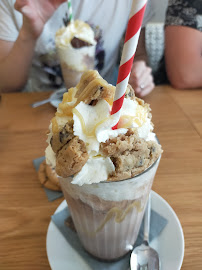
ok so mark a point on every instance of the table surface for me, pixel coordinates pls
(24, 209)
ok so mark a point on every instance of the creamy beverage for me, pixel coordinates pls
(106, 175)
(76, 50)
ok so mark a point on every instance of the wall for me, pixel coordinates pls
(160, 9)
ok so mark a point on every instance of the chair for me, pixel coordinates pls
(154, 39)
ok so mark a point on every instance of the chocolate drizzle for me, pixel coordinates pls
(78, 43)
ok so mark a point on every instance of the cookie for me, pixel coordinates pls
(44, 180)
(86, 78)
(130, 154)
(52, 176)
(130, 93)
(71, 158)
(41, 173)
(93, 88)
(60, 138)
(48, 184)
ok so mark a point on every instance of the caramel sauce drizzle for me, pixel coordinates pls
(139, 118)
(63, 106)
(118, 214)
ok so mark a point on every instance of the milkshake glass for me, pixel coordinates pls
(107, 215)
(75, 46)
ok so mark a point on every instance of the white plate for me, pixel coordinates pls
(169, 244)
(57, 97)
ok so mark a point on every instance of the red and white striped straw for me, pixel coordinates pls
(129, 49)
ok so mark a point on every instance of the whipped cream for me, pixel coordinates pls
(90, 170)
(78, 29)
(93, 124)
(50, 157)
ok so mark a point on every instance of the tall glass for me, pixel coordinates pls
(108, 215)
(74, 61)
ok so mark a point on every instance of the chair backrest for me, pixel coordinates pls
(154, 39)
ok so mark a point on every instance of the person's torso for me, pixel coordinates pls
(107, 18)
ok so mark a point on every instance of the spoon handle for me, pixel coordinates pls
(147, 220)
(39, 103)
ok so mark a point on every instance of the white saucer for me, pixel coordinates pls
(169, 244)
(56, 97)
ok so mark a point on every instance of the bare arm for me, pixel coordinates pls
(15, 62)
(183, 55)
(16, 57)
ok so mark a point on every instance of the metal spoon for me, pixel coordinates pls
(39, 103)
(144, 257)
(56, 96)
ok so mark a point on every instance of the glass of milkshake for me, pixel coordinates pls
(75, 46)
(108, 215)
(106, 175)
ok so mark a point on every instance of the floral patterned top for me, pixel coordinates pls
(185, 13)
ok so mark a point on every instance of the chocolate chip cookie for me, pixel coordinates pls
(71, 157)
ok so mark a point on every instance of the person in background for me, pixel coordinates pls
(183, 43)
(28, 59)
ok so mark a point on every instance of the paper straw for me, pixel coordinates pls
(129, 49)
(69, 3)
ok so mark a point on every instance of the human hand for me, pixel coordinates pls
(141, 79)
(35, 14)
